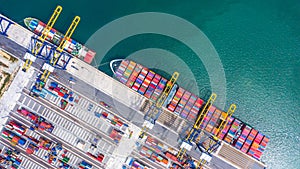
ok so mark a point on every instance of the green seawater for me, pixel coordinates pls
(257, 41)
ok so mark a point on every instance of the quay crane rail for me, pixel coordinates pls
(187, 142)
(36, 49)
(154, 110)
(60, 48)
(222, 125)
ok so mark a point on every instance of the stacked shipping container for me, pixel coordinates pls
(232, 131)
(188, 106)
(210, 126)
(146, 82)
(159, 89)
(194, 111)
(134, 75)
(255, 145)
(182, 103)
(152, 86)
(176, 99)
(208, 116)
(249, 141)
(140, 79)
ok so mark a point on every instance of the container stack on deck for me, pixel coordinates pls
(140, 79)
(210, 126)
(185, 104)
(185, 112)
(188, 106)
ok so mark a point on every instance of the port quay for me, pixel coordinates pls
(76, 116)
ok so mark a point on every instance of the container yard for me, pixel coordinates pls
(61, 118)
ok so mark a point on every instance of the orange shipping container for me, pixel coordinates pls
(15, 139)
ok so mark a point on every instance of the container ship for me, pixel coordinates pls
(55, 37)
(187, 105)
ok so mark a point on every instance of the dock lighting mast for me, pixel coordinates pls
(206, 155)
(186, 144)
(39, 43)
(60, 48)
(150, 119)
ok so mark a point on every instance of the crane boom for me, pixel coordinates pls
(167, 90)
(225, 122)
(50, 23)
(67, 36)
(69, 33)
(205, 110)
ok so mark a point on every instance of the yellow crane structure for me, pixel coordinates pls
(159, 103)
(36, 49)
(196, 127)
(61, 47)
(222, 125)
(167, 90)
(67, 36)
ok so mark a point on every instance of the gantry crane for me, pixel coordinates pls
(186, 144)
(154, 110)
(219, 129)
(57, 53)
(42, 37)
